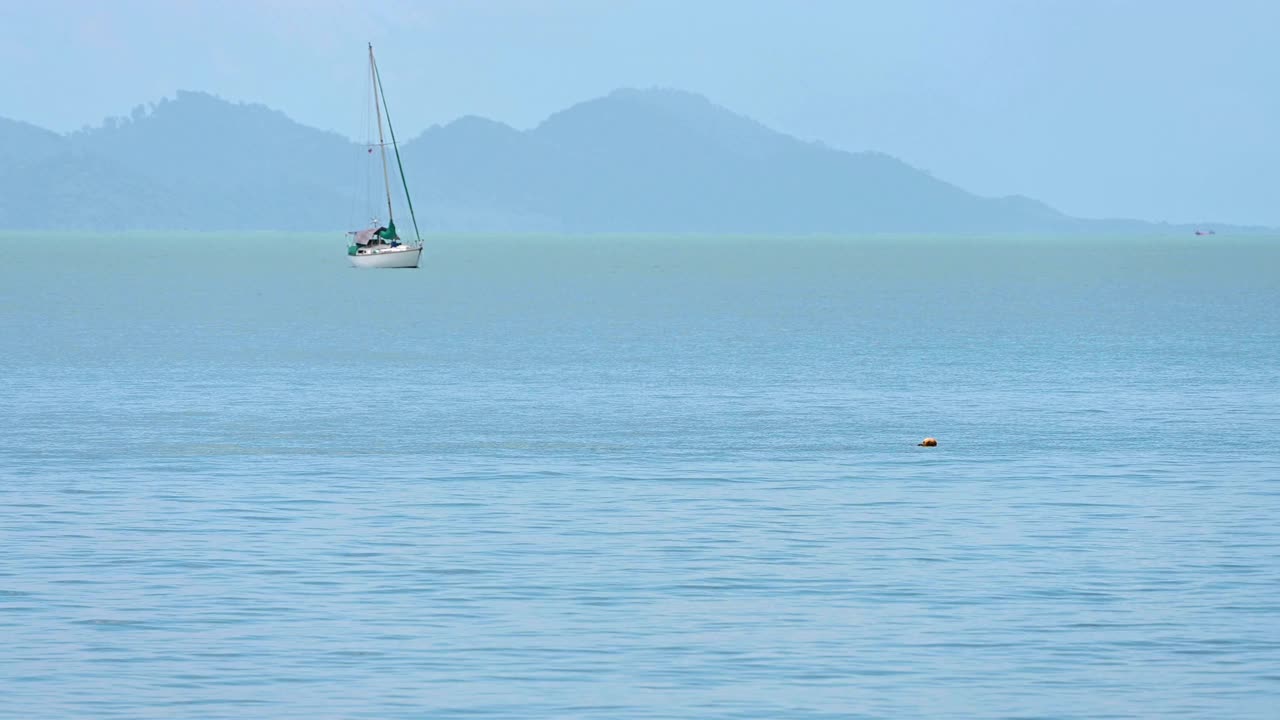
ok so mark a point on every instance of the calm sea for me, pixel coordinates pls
(640, 477)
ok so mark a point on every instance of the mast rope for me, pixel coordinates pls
(394, 146)
(377, 88)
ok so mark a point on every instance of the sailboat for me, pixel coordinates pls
(380, 246)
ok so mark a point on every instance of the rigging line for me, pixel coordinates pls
(359, 204)
(395, 147)
(370, 204)
(386, 179)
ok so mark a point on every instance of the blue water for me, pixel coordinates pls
(640, 478)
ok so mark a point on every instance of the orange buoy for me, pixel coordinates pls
(929, 442)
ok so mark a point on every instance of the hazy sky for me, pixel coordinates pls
(1157, 109)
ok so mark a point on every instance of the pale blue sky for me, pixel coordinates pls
(1157, 109)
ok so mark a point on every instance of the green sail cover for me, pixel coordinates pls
(389, 232)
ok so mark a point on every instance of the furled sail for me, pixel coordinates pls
(364, 237)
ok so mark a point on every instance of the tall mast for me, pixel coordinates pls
(382, 145)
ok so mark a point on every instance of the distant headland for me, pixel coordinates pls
(634, 161)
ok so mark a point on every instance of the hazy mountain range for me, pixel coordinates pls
(633, 161)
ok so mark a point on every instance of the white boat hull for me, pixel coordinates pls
(397, 257)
